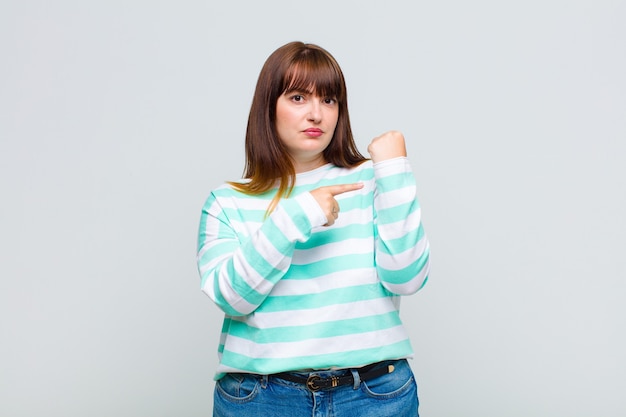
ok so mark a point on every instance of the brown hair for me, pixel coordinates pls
(294, 66)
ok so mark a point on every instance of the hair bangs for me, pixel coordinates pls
(314, 73)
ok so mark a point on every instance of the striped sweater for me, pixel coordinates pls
(299, 295)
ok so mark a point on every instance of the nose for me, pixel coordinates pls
(315, 112)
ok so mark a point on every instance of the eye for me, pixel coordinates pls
(330, 100)
(298, 98)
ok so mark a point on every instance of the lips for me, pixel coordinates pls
(313, 132)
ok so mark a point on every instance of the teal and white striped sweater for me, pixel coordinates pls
(299, 295)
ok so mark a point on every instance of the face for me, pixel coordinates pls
(305, 123)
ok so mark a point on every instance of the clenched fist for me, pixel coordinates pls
(386, 146)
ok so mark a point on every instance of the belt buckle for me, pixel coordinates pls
(311, 382)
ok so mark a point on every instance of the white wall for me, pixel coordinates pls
(118, 117)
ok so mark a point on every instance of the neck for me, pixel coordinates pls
(309, 165)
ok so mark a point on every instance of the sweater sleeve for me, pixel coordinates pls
(402, 248)
(238, 273)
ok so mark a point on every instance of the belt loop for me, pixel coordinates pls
(356, 377)
(264, 379)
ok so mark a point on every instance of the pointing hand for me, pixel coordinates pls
(325, 197)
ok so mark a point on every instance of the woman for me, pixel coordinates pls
(308, 256)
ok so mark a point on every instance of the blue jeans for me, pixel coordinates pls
(247, 395)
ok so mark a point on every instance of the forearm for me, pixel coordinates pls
(402, 249)
(239, 272)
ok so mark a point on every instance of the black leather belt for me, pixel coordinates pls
(315, 382)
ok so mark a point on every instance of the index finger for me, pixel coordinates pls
(344, 188)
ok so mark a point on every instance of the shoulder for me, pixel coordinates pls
(359, 172)
(364, 166)
(237, 204)
(228, 191)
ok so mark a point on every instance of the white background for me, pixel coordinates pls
(117, 118)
